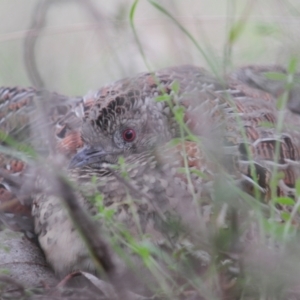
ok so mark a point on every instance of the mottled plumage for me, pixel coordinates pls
(136, 118)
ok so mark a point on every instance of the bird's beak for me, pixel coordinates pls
(86, 156)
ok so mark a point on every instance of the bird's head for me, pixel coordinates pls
(120, 125)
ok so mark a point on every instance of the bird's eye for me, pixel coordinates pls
(128, 135)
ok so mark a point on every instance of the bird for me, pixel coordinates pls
(22, 129)
(130, 140)
(273, 79)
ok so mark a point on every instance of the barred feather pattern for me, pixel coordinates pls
(235, 123)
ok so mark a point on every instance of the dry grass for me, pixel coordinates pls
(84, 44)
(85, 53)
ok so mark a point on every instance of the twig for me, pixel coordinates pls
(88, 229)
(38, 22)
(9, 280)
(37, 25)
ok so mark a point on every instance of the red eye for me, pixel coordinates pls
(128, 135)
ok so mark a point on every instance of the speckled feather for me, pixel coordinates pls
(214, 111)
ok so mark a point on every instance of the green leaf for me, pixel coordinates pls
(175, 87)
(192, 171)
(94, 179)
(297, 187)
(179, 114)
(198, 173)
(285, 201)
(281, 102)
(181, 170)
(5, 272)
(26, 149)
(192, 138)
(163, 98)
(266, 29)
(108, 213)
(286, 216)
(142, 251)
(292, 67)
(275, 76)
(235, 31)
(175, 142)
(266, 124)
(273, 227)
(99, 199)
(121, 161)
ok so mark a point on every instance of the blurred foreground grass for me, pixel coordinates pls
(75, 53)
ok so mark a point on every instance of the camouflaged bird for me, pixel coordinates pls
(136, 118)
(22, 124)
